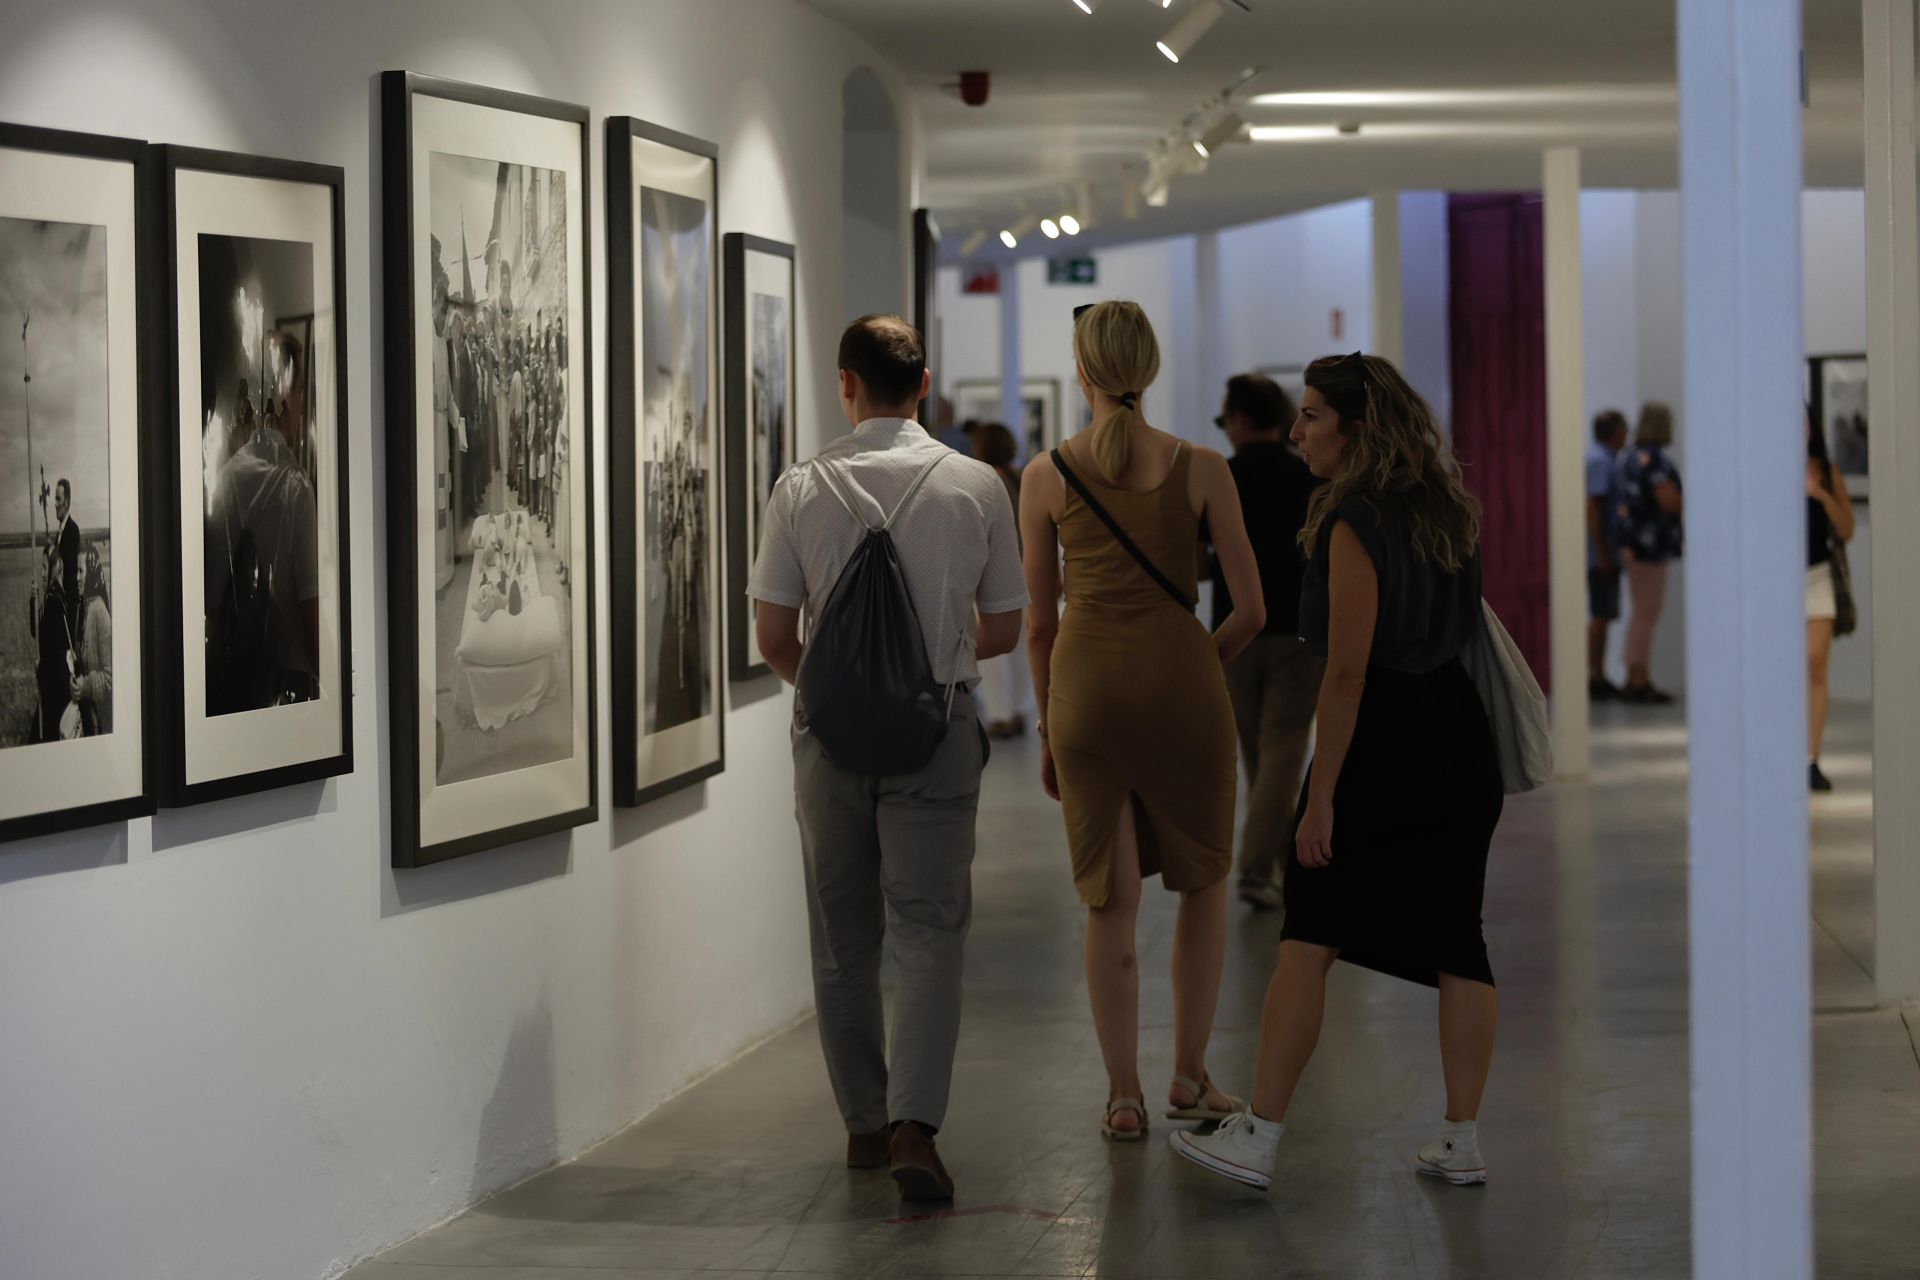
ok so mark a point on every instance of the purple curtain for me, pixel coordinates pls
(1498, 328)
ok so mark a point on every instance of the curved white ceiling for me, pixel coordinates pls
(1458, 95)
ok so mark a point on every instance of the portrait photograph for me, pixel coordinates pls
(252, 590)
(664, 417)
(72, 657)
(1837, 390)
(489, 466)
(1038, 431)
(760, 398)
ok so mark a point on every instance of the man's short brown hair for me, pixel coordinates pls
(886, 354)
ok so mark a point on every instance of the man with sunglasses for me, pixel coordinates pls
(1276, 682)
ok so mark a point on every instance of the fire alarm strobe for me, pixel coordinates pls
(974, 86)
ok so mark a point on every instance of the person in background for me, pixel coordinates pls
(93, 672)
(1603, 566)
(1276, 682)
(1005, 683)
(891, 859)
(1649, 534)
(1404, 793)
(1829, 521)
(1136, 727)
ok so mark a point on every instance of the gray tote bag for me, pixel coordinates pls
(1515, 705)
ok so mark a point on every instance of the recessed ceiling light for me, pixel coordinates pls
(1070, 224)
(1009, 239)
(1536, 95)
(1050, 228)
(1293, 132)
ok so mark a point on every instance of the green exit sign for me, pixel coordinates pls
(1072, 271)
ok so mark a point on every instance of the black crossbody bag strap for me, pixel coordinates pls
(1120, 535)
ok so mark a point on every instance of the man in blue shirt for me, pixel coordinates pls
(1603, 566)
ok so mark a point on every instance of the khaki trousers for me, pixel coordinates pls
(1275, 686)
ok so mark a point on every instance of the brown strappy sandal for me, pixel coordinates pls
(1114, 1108)
(1200, 1111)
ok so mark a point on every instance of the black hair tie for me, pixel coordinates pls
(1131, 399)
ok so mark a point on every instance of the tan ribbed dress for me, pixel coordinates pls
(1138, 699)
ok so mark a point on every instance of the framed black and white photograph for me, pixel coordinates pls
(1837, 390)
(926, 297)
(669, 685)
(249, 578)
(75, 326)
(1038, 431)
(761, 436)
(489, 466)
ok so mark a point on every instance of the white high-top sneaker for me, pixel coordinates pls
(1454, 1154)
(1243, 1147)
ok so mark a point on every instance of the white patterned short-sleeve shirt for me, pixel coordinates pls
(956, 541)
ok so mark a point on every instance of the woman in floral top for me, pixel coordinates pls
(1648, 531)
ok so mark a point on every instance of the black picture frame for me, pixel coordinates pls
(926, 303)
(166, 611)
(139, 156)
(623, 455)
(1858, 478)
(742, 661)
(397, 92)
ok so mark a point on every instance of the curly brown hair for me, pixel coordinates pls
(1394, 446)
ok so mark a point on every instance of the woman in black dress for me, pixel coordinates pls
(1404, 793)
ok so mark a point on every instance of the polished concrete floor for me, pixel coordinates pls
(1585, 1127)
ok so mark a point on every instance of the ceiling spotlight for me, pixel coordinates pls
(1155, 190)
(1070, 224)
(1226, 129)
(1186, 33)
(1009, 239)
(1087, 6)
(1050, 228)
(973, 242)
(1199, 145)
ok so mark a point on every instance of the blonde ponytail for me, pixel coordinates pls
(1118, 356)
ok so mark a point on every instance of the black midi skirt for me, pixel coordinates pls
(1413, 817)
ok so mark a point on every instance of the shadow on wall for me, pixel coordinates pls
(519, 1127)
(873, 206)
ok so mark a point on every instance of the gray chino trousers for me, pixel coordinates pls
(890, 857)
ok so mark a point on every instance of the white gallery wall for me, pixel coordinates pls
(1280, 282)
(233, 1042)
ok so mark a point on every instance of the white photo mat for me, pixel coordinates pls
(684, 747)
(48, 777)
(473, 807)
(273, 737)
(766, 273)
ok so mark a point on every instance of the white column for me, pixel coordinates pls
(1210, 332)
(1566, 463)
(1011, 412)
(1748, 923)
(1388, 324)
(1893, 356)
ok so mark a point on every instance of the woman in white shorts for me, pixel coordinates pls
(1829, 521)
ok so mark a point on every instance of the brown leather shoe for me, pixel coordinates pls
(869, 1150)
(917, 1167)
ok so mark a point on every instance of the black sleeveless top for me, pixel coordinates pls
(1426, 614)
(1819, 533)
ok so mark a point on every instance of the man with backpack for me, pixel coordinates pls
(903, 556)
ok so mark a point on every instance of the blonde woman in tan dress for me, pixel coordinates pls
(1137, 730)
